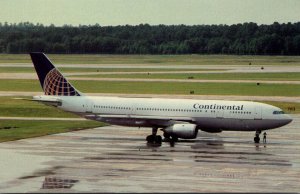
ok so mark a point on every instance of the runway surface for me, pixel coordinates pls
(117, 159)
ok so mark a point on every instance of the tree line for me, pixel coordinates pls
(241, 39)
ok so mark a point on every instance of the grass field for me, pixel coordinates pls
(15, 129)
(207, 76)
(159, 59)
(80, 69)
(130, 87)
(249, 89)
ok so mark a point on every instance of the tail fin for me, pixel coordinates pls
(52, 81)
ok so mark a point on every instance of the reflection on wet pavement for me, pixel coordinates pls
(58, 183)
(117, 159)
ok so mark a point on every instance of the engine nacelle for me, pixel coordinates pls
(184, 131)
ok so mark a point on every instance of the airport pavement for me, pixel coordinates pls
(117, 159)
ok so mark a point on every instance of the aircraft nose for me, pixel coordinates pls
(287, 119)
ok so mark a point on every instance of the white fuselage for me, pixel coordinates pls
(208, 115)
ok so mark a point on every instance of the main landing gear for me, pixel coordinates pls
(154, 138)
(256, 138)
(170, 138)
(157, 139)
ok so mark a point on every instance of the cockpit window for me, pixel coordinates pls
(278, 112)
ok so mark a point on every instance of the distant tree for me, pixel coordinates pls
(246, 38)
(296, 44)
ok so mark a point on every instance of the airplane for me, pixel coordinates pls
(177, 118)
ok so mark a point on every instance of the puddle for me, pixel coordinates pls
(242, 162)
(210, 144)
(125, 170)
(126, 158)
(113, 175)
(112, 138)
(132, 154)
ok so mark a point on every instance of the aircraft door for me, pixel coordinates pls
(89, 106)
(257, 113)
(133, 110)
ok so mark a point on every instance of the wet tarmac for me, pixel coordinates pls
(117, 159)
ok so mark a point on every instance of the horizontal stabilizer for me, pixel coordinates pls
(53, 101)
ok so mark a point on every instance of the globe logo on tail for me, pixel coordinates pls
(55, 84)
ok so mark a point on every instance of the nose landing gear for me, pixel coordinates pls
(256, 138)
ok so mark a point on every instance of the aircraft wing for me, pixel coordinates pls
(187, 119)
(143, 119)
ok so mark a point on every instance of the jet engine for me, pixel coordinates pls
(184, 131)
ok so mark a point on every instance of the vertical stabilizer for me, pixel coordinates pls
(52, 81)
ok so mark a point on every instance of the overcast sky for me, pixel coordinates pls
(134, 12)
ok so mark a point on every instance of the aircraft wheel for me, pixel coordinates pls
(166, 135)
(256, 139)
(154, 139)
(174, 138)
(150, 138)
(158, 139)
